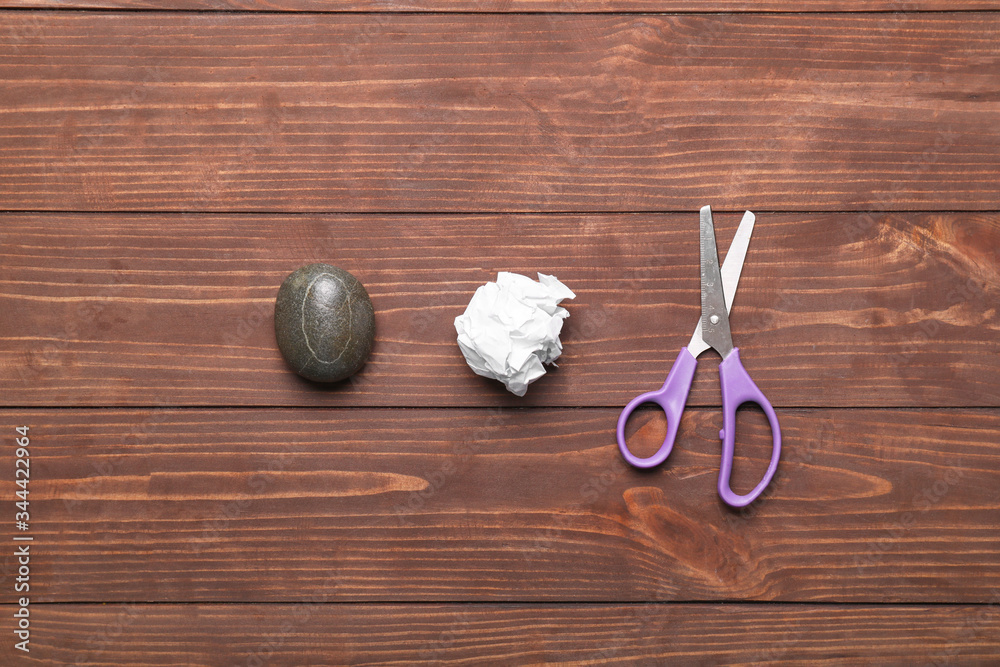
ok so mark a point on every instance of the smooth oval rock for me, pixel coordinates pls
(324, 323)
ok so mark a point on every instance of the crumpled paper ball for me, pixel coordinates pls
(511, 328)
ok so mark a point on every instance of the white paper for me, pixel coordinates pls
(511, 327)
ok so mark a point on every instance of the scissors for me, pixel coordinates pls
(717, 291)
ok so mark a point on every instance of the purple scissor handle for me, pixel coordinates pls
(738, 388)
(717, 292)
(671, 397)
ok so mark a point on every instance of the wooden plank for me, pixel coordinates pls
(386, 634)
(398, 505)
(505, 6)
(833, 309)
(238, 112)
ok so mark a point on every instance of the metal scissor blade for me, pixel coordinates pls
(732, 268)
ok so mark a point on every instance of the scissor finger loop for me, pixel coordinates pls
(718, 288)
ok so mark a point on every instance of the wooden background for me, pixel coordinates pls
(163, 166)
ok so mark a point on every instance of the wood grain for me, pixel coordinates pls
(383, 634)
(833, 309)
(394, 505)
(162, 171)
(504, 6)
(383, 112)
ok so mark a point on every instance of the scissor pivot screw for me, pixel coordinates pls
(714, 319)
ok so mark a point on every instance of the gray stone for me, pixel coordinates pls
(324, 323)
